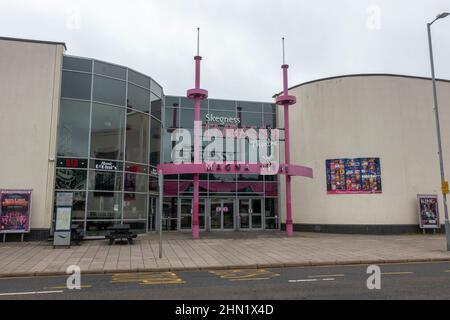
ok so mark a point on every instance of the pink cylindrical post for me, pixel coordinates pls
(287, 155)
(197, 128)
(197, 95)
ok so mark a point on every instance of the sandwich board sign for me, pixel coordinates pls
(63, 221)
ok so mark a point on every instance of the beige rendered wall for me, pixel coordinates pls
(29, 100)
(367, 116)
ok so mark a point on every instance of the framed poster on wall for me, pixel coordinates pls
(428, 211)
(353, 176)
(15, 211)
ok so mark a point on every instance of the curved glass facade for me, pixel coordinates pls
(108, 144)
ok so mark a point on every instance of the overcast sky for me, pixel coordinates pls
(240, 40)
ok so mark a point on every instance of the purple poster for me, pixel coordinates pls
(15, 211)
(428, 211)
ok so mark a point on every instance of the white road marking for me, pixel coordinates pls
(29, 293)
(312, 280)
(303, 280)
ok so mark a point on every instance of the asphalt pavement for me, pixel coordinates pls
(398, 281)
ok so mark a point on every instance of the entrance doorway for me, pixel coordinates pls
(250, 214)
(221, 214)
(186, 214)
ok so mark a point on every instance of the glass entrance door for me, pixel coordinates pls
(250, 214)
(221, 214)
(186, 214)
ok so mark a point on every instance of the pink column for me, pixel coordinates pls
(287, 154)
(197, 128)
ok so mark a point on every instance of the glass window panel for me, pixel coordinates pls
(79, 205)
(72, 63)
(271, 189)
(187, 103)
(153, 185)
(110, 70)
(271, 208)
(187, 118)
(138, 98)
(251, 119)
(99, 228)
(76, 85)
(67, 179)
(155, 142)
(107, 135)
(136, 182)
(104, 205)
(270, 120)
(250, 177)
(109, 91)
(137, 137)
(222, 105)
(171, 101)
(105, 180)
(156, 89)
(269, 108)
(73, 129)
(249, 106)
(168, 145)
(250, 188)
(138, 79)
(156, 106)
(137, 226)
(172, 117)
(134, 206)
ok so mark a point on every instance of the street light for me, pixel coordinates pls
(438, 129)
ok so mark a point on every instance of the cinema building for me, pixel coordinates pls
(99, 130)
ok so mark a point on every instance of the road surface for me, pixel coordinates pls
(398, 281)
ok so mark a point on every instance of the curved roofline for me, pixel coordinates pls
(117, 65)
(362, 75)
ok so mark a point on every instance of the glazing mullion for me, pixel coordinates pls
(89, 149)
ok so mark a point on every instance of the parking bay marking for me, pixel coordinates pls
(148, 278)
(245, 274)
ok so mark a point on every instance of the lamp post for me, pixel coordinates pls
(438, 128)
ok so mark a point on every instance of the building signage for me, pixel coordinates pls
(353, 176)
(15, 211)
(106, 165)
(428, 211)
(211, 118)
(71, 163)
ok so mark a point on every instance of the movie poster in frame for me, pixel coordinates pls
(353, 176)
(428, 207)
(15, 211)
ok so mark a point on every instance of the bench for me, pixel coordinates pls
(120, 232)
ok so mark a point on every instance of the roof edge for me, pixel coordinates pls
(35, 41)
(362, 75)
